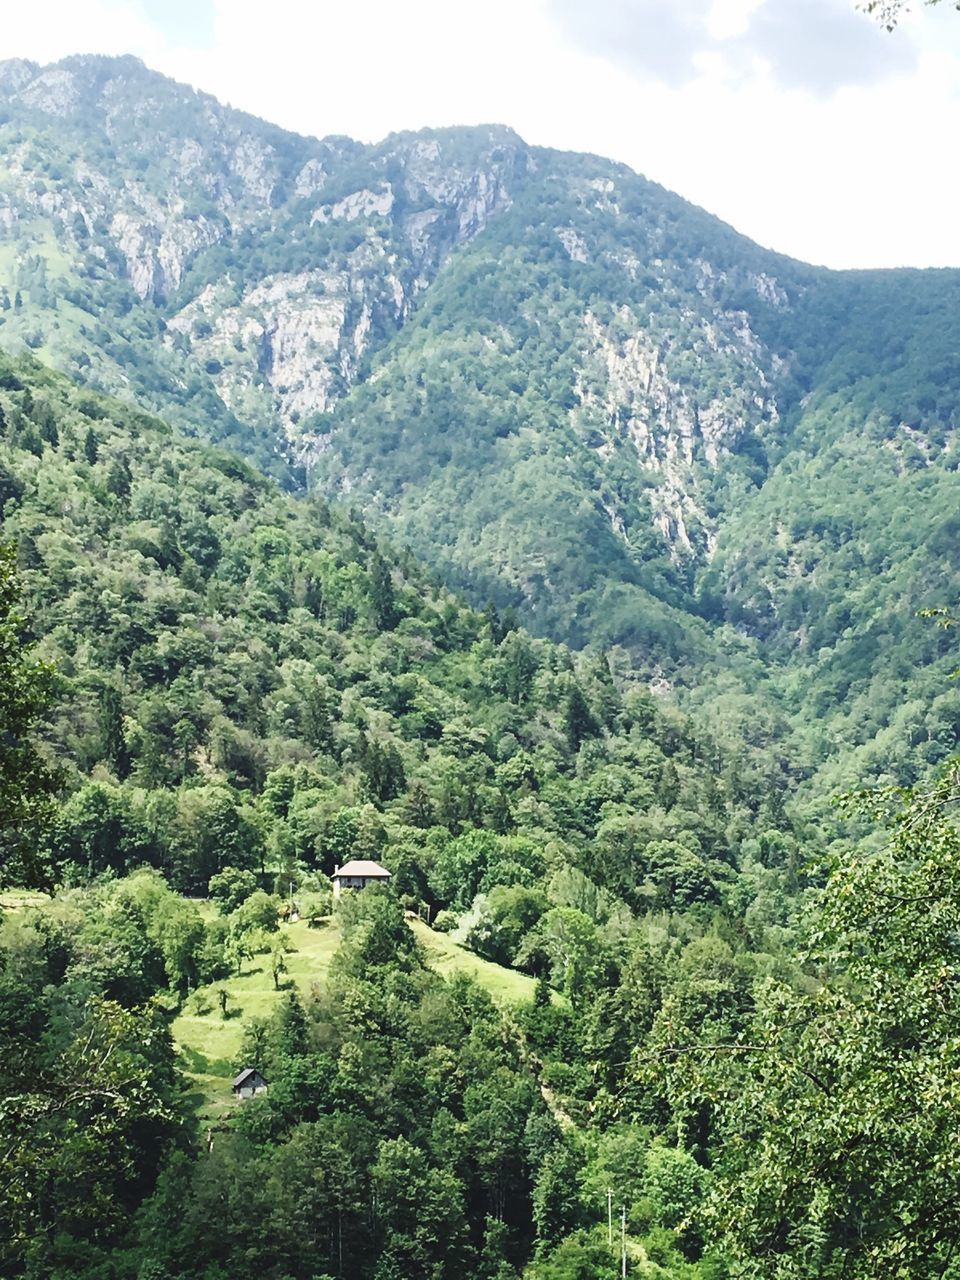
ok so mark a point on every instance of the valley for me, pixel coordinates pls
(490, 513)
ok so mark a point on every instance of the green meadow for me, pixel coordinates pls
(210, 1043)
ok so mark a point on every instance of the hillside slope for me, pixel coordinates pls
(568, 390)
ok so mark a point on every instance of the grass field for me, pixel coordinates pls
(14, 899)
(210, 1043)
(444, 955)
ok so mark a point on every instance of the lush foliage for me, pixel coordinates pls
(251, 690)
(565, 388)
(26, 783)
(835, 1102)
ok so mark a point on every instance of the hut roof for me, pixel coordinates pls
(362, 867)
(245, 1075)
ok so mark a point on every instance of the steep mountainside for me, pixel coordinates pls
(567, 389)
(169, 247)
(252, 675)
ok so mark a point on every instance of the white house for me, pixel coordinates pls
(357, 875)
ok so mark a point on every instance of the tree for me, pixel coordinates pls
(231, 887)
(417, 808)
(578, 721)
(375, 934)
(210, 831)
(382, 598)
(420, 1211)
(278, 959)
(259, 913)
(888, 12)
(27, 783)
(98, 830)
(519, 664)
(570, 943)
(86, 1121)
(113, 746)
(836, 1106)
(557, 1205)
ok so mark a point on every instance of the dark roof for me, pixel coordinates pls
(362, 867)
(245, 1075)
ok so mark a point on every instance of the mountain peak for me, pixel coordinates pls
(15, 73)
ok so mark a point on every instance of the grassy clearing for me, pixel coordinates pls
(447, 957)
(210, 1043)
(15, 899)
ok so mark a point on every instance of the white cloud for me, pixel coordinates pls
(859, 178)
(47, 31)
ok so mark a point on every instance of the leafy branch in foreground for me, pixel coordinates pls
(834, 1110)
(889, 12)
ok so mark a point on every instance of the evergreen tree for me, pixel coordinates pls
(288, 1032)
(113, 746)
(119, 478)
(26, 781)
(418, 808)
(578, 721)
(382, 595)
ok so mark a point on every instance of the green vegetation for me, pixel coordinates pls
(250, 691)
(26, 784)
(583, 399)
(505, 986)
(665, 976)
(211, 1043)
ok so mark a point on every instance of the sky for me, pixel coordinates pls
(800, 122)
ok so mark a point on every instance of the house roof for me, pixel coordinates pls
(245, 1075)
(364, 868)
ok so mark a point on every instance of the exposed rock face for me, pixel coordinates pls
(361, 204)
(574, 244)
(163, 175)
(293, 342)
(673, 427)
(156, 253)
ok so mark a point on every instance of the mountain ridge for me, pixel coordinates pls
(569, 390)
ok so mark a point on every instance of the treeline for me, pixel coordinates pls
(250, 680)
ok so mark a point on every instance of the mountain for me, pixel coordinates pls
(219, 642)
(729, 480)
(566, 389)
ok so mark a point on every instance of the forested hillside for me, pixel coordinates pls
(566, 389)
(279, 679)
(249, 691)
(246, 689)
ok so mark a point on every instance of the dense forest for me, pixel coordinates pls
(218, 693)
(568, 390)
(247, 690)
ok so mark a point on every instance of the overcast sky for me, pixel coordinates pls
(798, 121)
